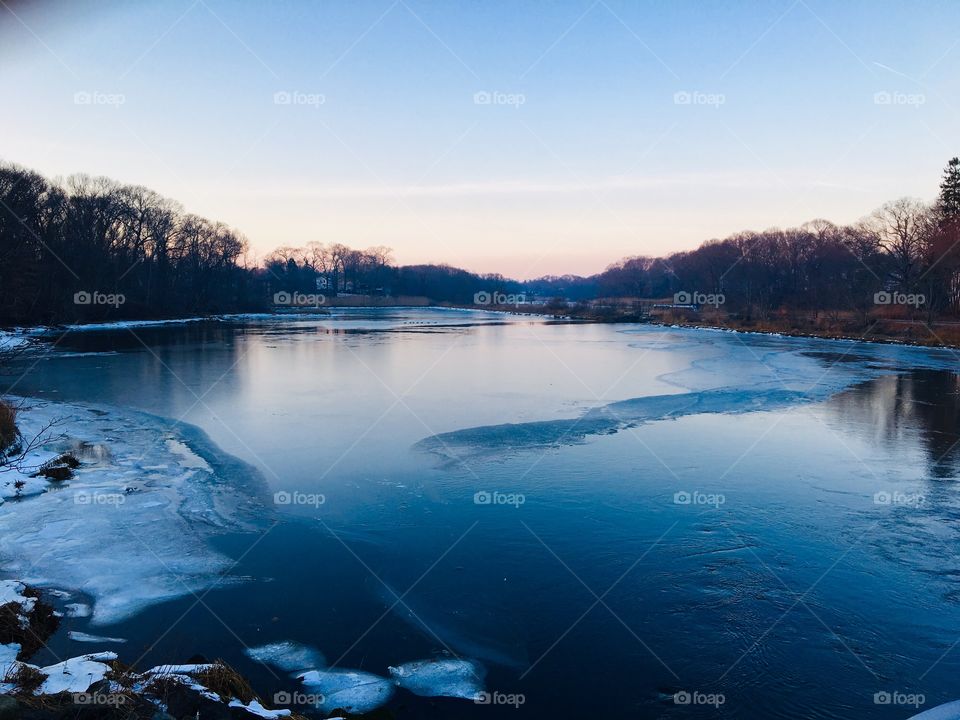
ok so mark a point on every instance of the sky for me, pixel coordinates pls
(521, 137)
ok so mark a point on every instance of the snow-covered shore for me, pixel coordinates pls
(131, 528)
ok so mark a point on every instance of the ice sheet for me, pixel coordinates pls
(132, 528)
(442, 677)
(85, 638)
(948, 711)
(288, 656)
(351, 690)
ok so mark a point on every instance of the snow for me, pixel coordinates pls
(78, 610)
(13, 339)
(84, 637)
(12, 591)
(75, 675)
(187, 457)
(255, 708)
(445, 677)
(288, 656)
(178, 669)
(133, 527)
(8, 658)
(352, 690)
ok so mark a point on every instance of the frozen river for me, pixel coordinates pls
(612, 521)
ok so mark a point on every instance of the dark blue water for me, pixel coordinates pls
(769, 520)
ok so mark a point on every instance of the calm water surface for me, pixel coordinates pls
(772, 519)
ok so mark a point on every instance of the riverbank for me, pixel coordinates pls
(942, 335)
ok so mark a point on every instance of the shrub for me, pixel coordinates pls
(8, 425)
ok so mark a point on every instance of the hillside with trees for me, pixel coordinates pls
(68, 247)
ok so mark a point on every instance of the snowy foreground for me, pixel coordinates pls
(95, 678)
(131, 528)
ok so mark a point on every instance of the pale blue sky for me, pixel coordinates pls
(584, 154)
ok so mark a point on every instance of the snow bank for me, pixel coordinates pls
(75, 675)
(132, 528)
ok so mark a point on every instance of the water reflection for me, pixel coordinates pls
(921, 404)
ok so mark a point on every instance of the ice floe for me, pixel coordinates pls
(78, 610)
(85, 638)
(351, 690)
(947, 711)
(288, 656)
(133, 526)
(443, 677)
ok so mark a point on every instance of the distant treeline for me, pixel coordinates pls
(90, 248)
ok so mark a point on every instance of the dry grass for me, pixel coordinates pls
(26, 679)
(8, 425)
(43, 623)
(226, 682)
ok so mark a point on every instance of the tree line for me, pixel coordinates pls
(90, 248)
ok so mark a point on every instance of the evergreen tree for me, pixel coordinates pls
(949, 203)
